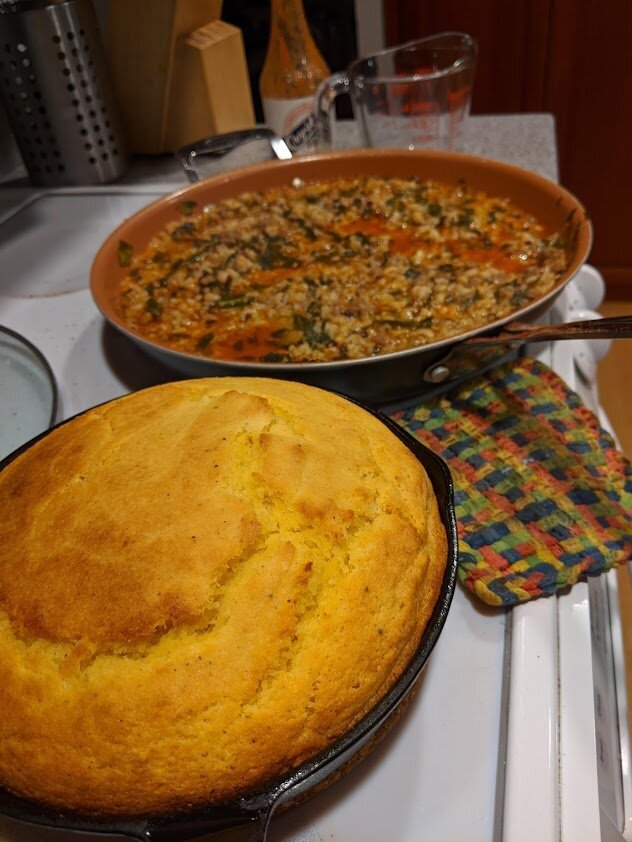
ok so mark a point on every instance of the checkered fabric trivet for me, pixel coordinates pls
(543, 496)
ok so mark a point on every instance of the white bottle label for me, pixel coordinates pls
(293, 120)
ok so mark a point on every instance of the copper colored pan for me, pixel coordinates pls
(383, 378)
(246, 819)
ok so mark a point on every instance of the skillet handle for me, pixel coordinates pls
(463, 361)
(222, 143)
(232, 824)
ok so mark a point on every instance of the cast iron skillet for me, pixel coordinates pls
(246, 819)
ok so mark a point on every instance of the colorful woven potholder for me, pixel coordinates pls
(543, 497)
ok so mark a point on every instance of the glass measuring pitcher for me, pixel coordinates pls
(415, 95)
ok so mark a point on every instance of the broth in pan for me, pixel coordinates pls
(336, 270)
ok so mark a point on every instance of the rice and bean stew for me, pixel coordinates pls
(336, 270)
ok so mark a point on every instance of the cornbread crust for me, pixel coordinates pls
(202, 585)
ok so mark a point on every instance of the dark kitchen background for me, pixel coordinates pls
(570, 58)
(573, 59)
(333, 25)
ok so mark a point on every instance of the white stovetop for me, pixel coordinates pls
(440, 774)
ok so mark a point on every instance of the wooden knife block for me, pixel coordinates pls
(179, 73)
(210, 93)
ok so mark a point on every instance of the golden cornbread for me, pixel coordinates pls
(202, 585)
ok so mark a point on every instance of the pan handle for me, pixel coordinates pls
(223, 143)
(478, 351)
(235, 825)
(517, 333)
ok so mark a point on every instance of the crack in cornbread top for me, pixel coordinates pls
(201, 585)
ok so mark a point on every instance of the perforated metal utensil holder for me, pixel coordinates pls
(57, 93)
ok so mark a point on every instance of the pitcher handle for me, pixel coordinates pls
(326, 95)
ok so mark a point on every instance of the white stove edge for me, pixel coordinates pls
(567, 755)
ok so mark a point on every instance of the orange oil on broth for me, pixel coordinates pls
(337, 270)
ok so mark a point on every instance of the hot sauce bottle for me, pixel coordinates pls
(292, 71)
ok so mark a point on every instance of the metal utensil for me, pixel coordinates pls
(221, 144)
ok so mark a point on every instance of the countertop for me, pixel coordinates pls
(526, 140)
